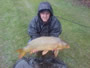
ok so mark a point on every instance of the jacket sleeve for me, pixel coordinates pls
(32, 31)
(56, 29)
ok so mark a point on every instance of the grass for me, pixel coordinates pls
(14, 19)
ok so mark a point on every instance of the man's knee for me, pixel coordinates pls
(22, 64)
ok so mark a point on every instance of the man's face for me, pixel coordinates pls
(45, 15)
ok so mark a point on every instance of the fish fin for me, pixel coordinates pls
(56, 53)
(68, 46)
(34, 51)
(44, 52)
(21, 53)
(30, 53)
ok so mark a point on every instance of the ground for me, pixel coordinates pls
(15, 16)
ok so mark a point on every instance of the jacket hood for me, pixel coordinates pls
(45, 6)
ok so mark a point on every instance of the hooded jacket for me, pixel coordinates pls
(37, 28)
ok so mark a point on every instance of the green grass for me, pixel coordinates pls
(14, 19)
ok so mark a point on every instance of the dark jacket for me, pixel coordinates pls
(37, 28)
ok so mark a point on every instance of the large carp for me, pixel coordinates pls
(44, 44)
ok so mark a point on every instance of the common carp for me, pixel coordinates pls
(43, 44)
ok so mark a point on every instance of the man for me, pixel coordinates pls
(44, 24)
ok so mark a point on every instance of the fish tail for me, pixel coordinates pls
(21, 53)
